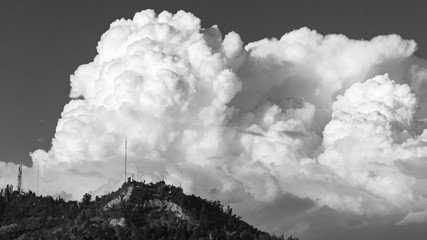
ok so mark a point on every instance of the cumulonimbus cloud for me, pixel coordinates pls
(336, 121)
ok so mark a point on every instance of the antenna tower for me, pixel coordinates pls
(38, 178)
(20, 178)
(126, 148)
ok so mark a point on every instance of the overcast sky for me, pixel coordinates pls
(325, 122)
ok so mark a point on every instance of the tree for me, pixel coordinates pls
(2, 205)
(229, 211)
(8, 191)
(245, 235)
(87, 198)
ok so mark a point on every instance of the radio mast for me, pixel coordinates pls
(20, 178)
(38, 178)
(126, 148)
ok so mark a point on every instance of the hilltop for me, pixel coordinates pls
(135, 211)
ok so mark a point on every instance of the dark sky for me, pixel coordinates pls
(43, 42)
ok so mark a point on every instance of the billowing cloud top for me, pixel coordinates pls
(325, 121)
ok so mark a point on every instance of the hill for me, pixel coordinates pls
(135, 211)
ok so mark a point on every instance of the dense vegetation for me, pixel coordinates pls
(136, 211)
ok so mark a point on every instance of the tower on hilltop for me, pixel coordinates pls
(20, 178)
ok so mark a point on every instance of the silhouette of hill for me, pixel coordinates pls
(135, 211)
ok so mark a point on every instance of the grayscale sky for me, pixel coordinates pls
(307, 117)
(43, 42)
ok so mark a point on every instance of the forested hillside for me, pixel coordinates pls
(136, 211)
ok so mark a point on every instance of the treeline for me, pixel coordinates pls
(16, 205)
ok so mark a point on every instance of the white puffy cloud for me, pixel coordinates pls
(368, 124)
(159, 81)
(277, 123)
(305, 64)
